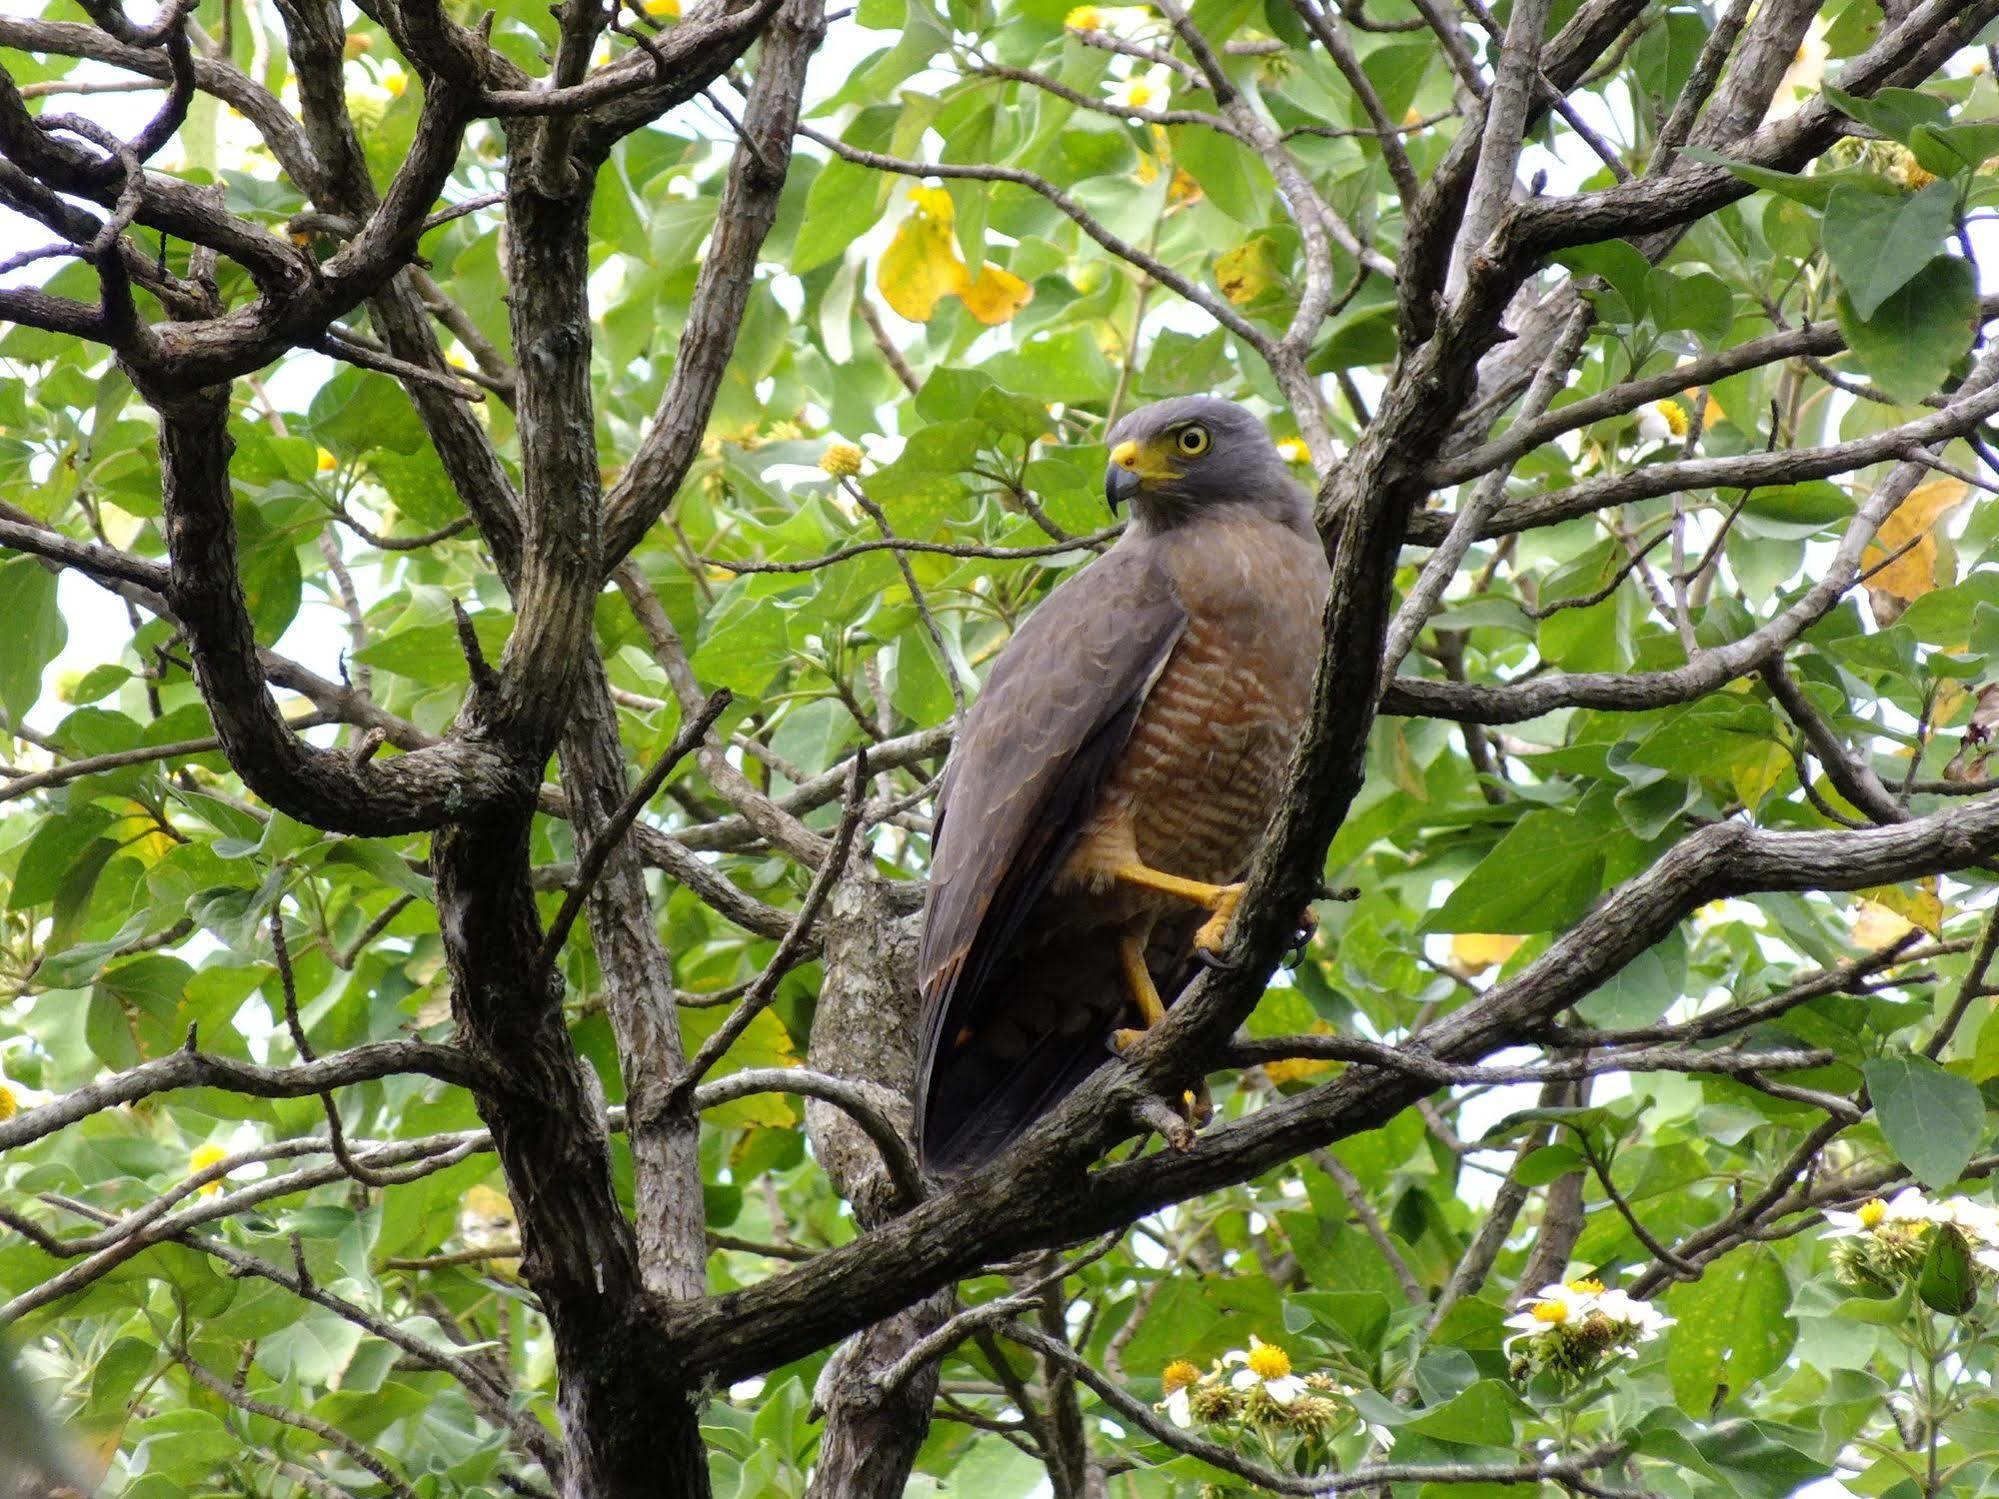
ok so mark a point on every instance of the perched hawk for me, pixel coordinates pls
(1113, 777)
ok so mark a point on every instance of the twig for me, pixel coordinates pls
(692, 732)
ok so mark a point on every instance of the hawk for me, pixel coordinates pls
(1105, 791)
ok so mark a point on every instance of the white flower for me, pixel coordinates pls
(1863, 1220)
(1178, 1379)
(1266, 1367)
(1148, 90)
(1556, 1305)
(1977, 1221)
(1644, 1321)
(1662, 421)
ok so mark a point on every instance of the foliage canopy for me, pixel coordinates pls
(488, 431)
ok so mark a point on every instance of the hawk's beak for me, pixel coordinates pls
(1131, 466)
(1120, 484)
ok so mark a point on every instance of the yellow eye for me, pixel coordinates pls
(1193, 441)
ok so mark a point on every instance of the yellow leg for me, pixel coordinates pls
(1151, 1010)
(1138, 986)
(1219, 899)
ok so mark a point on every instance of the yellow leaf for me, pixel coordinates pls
(1874, 925)
(1914, 572)
(921, 264)
(1950, 696)
(1299, 1069)
(1474, 952)
(996, 296)
(486, 1220)
(1249, 270)
(1917, 905)
(1756, 773)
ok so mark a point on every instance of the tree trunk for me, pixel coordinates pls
(865, 1028)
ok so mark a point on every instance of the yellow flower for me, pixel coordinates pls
(1293, 450)
(199, 1160)
(327, 462)
(395, 80)
(1904, 171)
(1268, 1361)
(1177, 1375)
(1084, 18)
(1675, 416)
(1587, 1286)
(1872, 1212)
(1551, 1311)
(841, 459)
(9, 1104)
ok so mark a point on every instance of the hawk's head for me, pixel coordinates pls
(1174, 458)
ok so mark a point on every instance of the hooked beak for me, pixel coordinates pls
(1120, 484)
(1131, 466)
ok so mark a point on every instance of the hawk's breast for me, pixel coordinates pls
(1200, 776)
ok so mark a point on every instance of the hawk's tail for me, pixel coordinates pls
(1047, 1022)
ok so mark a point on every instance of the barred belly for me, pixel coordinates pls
(1199, 775)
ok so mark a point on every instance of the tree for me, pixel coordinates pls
(460, 900)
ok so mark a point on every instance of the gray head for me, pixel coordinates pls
(1177, 459)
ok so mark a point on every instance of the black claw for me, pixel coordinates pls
(1215, 961)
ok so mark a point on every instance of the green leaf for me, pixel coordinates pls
(1732, 1327)
(1895, 112)
(1541, 875)
(35, 633)
(842, 204)
(1235, 181)
(1696, 300)
(1481, 1416)
(1950, 149)
(1947, 1282)
(312, 1348)
(1878, 245)
(1813, 191)
(1932, 1119)
(1914, 339)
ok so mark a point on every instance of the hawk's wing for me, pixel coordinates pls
(1024, 776)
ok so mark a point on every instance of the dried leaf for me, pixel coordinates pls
(921, 267)
(1249, 270)
(1300, 1069)
(996, 295)
(1917, 903)
(1474, 952)
(1914, 572)
(921, 264)
(1874, 925)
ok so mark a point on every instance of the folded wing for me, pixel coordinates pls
(1000, 1045)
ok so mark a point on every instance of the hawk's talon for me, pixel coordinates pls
(1215, 961)
(1213, 934)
